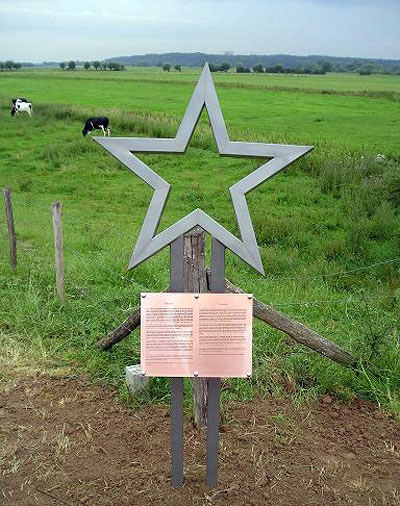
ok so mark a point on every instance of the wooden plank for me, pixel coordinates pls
(11, 229)
(56, 212)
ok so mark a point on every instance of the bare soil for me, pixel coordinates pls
(67, 442)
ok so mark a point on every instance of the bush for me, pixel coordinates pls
(384, 223)
(391, 184)
(224, 67)
(357, 237)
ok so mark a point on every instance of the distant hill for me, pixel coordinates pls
(339, 64)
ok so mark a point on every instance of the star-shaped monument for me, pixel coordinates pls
(279, 156)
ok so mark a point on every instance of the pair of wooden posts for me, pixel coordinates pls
(56, 211)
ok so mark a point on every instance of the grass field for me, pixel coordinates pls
(328, 227)
(332, 81)
(286, 112)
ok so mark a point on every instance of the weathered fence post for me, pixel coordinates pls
(56, 212)
(195, 281)
(10, 225)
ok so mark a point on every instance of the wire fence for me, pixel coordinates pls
(105, 231)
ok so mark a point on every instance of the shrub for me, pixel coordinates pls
(385, 223)
(224, 67)
(357, 237)
(391, 185)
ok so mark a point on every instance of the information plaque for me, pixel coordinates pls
(204, 335)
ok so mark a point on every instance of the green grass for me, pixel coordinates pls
(308, 118)
(329, 82)
(326, 226)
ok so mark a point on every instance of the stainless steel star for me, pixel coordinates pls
(279, 156)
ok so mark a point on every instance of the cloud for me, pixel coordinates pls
(91, 29)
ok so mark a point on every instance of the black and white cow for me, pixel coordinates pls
(21, 105)
(19, 99)
(96, 123)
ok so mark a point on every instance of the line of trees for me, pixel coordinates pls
(320, 68)
(97, 65)
(9, 65)
(338, 64)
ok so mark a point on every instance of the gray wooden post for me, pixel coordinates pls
(176, 285)
(10, 225)
(217, 285)
(195, 281)
(56, 212)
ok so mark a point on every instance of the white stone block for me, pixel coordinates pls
(134, 379)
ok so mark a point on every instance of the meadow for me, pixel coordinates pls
(328, 226)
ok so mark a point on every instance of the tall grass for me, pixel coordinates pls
(317, 223)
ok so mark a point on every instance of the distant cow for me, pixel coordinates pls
(21, 105)
(98, 123)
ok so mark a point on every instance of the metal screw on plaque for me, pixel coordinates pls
(143, 295)
(249, 375)
(196, 296)
(276, 158)
(143, 374)
(249, 296)
(195, 374)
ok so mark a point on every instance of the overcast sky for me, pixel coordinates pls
(37, 30)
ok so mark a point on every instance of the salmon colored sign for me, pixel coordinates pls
(205, 335)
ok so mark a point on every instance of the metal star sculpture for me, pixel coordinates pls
(279, 156)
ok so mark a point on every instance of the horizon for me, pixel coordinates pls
(352, 57)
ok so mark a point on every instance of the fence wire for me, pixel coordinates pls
(276, 277)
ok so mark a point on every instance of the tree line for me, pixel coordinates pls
(311, 62)
(97, 65)
(321, 67)
(9, 65)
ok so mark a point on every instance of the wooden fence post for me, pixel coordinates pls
(195, 281)
(56, 212)
(10, 225)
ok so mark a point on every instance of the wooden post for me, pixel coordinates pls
(195, 281)
(56, 212)
(10, 225)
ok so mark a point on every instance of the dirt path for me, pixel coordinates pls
(68, 443)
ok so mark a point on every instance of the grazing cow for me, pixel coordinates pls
(98, 123)
(21, 105)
